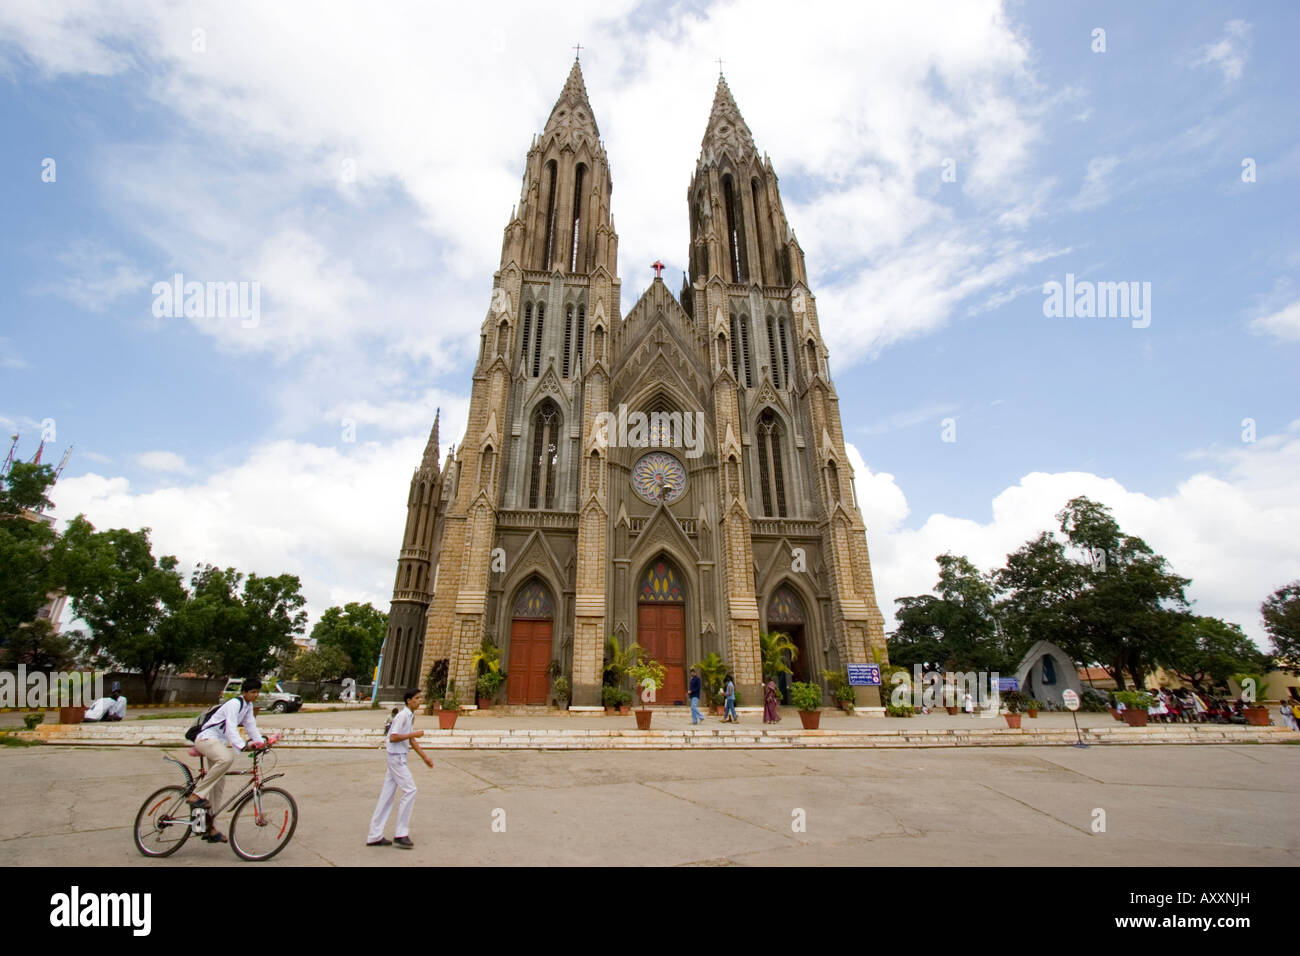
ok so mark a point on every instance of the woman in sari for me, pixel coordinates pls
(771, 697)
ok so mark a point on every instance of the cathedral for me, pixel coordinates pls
(674, 477)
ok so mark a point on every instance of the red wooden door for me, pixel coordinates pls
(530, 653)
(661, 630)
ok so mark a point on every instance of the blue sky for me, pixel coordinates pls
(212, 140)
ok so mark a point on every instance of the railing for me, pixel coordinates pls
(562, 520)
(636, 525)
(778, 527)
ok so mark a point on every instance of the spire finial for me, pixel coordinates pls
(719, 67)
(577, 51)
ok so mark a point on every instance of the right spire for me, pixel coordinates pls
(726, 131)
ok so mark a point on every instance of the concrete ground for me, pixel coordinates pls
(1166, 805)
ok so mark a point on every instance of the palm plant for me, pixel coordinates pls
(713, 671)
(778, 651)
(487, 659)
(618, 660)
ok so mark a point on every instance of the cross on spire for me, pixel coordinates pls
(719, 66)
(577, 51)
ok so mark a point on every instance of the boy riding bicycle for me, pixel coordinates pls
(215, 742)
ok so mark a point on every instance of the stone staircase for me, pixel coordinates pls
(467, 736)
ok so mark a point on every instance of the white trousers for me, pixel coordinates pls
(399, 776)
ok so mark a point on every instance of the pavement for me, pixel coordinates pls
(1172, 805)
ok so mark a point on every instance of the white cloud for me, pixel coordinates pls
(1283, 324)
(1095, 190)
(97, 276)
(1229, 53)
(161, 461)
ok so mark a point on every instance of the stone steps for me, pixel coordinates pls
(500, 738)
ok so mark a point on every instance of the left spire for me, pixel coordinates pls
(572, 115)
(431, 449)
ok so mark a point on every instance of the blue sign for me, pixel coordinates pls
(1008, 683)
(864, 675)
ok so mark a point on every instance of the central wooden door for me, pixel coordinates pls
(661, 630)
(530, 652)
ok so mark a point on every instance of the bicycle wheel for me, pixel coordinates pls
(262, 824)
(162, 824)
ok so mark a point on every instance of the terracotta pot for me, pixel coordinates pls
(1013, 721)
(75, 715)
(1033, 712)
(811, 719)
(952, 711)
(1135, 716)
(609, 709)
(643, 719)
(437, 706)
(1255, 716)
(1115, 713)
(484, 703)
(622, 708)
(447, 719)
(719, 709)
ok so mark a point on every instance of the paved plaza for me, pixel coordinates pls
(1172, 805)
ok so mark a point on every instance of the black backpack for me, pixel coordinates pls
(197, 727)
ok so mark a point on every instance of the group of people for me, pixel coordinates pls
(728, 696)
(1186, 706)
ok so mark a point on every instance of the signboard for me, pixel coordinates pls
(1071, 700)
(1007, 683)
(864, 675)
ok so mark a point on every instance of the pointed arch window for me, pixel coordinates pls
(406, 585)
(503, 338)
(735, 230)
(785, 353)
(771, 351)
(735, 354)
(553, 173)
(485, 469)
(744, 349)
(546, 453)
(582, 334)
(758, 227)
(832, 482)
(568, 338)
(537, 340)
(528, 328)
(577, 216)
(771, 464)
(810, 352)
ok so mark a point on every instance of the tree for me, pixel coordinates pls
(957, 629)
(1037, 586)
(39, 648)
(358, 631)
(1208, 651)
(319, 665)
(1281, 611)
(27, 573)
(126, 596)
(241, 634)
(778, 651)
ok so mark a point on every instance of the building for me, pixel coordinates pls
(675, 477)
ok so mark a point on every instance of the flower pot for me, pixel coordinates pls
(622, 709)
(811, 719)
(609, 709)
(643, 719)
(75, 715)
(1013, 721)
(952, 711)
(1255, 716)
(1033, 712)
(437, 706)
(1135, 716)
(484, 703)
(719, 709)
(1118, 715)
(447, 719)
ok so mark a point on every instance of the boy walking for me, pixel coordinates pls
(401, 738)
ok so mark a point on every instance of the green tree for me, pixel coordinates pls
(1208, 651)
(246, 633)
(126, 596)
(358, 631)
(38, 647)
(957, 629)
(319, 665)
(1037, 586)
(778, 652)
(27, 572)
(1281, 611)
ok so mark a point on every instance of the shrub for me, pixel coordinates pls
(609, 695)
(805, 696)
(31, 720)
(1091, 702)
(894, 711)
(561, 688)
(1135, 698)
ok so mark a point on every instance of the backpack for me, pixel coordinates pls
(201, 723)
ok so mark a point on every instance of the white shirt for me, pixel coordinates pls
(402, 724)
(226, 722)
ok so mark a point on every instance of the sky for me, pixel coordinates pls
(941, 164)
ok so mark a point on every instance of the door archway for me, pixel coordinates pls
(531, 629)
(785, 614)
(661, 625)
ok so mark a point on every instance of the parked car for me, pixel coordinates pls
(272, 699)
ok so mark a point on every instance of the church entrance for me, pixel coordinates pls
(661, 627)
(527, 681)
(785, 615)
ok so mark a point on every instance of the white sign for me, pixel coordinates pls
(1071, 700)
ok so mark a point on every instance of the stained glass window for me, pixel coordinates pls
(784, 608)
(661, 584)
(659, 475)
(534, 601)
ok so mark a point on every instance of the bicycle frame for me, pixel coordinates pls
(256, 783)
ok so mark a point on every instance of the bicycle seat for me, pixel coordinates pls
(193, 751)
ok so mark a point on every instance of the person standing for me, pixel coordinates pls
(729, 686)
(401, 738)
(696, 716)
(771, 697)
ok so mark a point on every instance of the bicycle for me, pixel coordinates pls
(166, 819)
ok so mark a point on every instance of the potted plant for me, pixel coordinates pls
(1135, 704)
(842, 691)
(450, 708)
(1014, 702)
(807, 699)
(646, 674)
(609, 697)
(435, 685)
(487, 663)
(719, 701)
(31, 720)
(1252, 695)
(561, 691)
(1032, 707)
(624, 700)
(489, 683)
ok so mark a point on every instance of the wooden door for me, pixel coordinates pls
(530, 652)
(661, 630)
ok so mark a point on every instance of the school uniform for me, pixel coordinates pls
(218, 741)
(398, 777)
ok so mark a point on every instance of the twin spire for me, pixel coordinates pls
(572, 114)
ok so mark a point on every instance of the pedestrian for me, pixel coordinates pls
(969, 704)
(1285, 711)
(771, 697)
(729, 689)
(696, 716)
(401, 738)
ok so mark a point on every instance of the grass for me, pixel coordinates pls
(7, 740)
(168, 716)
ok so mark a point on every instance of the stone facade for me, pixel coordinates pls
(675, 477)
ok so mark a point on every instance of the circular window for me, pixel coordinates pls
(659, 476)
